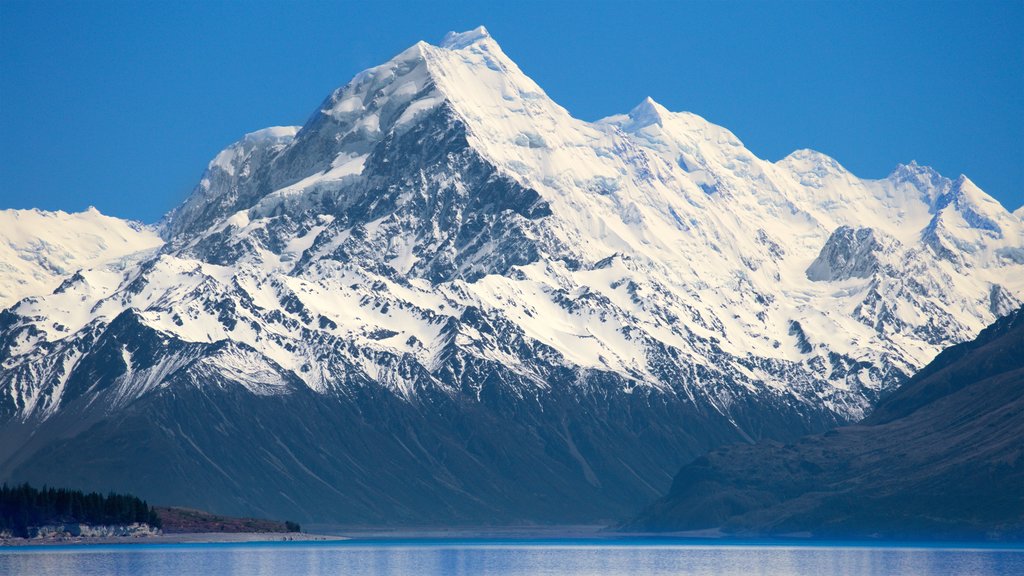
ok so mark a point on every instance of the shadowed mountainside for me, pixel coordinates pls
(940, 458)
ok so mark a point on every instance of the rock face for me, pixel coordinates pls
(940, 458)
(848, 253)
(444, 299)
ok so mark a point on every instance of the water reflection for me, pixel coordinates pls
(504, 559)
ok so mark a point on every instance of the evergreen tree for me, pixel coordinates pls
(23, 507)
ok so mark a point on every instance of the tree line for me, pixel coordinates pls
(23, 507)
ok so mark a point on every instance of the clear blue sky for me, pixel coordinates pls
(121, 105)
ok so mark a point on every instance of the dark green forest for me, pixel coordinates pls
(22, 507)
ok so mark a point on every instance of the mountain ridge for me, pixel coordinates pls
(443, 243)
(38, 249)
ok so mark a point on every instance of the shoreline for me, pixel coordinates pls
(576, 535)
(176, 538)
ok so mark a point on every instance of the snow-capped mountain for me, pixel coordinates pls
(38, 250)
(445, 297)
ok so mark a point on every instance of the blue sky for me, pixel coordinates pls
(121, 105)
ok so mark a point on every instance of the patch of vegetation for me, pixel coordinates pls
(187, 520)
(23, 507)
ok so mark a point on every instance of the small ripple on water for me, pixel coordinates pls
(506, 558)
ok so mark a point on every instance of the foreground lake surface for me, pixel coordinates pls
(505, 558)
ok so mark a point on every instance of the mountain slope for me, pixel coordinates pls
(39, 249)
(442, 258)
(941, 457)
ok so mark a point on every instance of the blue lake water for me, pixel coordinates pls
(506, 558)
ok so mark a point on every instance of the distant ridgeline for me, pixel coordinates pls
(23, 507)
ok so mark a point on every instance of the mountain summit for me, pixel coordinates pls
(444, 298)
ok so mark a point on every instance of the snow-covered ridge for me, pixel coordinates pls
(39, 249)
(228, 159)
(441, 206)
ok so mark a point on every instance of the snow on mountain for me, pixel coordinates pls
(39, 249)
(648, 229)
(218, 190)
(441, 232)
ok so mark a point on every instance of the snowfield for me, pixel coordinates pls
(38, 249)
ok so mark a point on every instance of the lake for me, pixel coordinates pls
(507, 558)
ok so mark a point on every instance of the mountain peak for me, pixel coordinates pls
(977, 209)
(460, 40)
(964, 188)
(648, 112)
(913, 168)
(968, 192)
(806, 160)
(963, 182)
